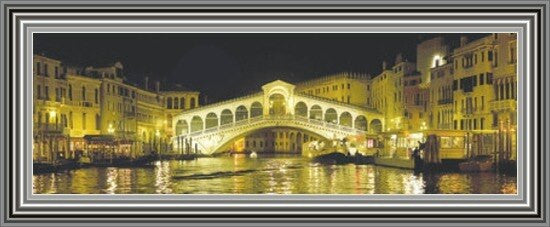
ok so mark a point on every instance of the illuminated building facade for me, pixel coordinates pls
(84, 109)
(178, 99)
(343, 87)
(473, 83)
(50, 137)
(72, 103)
(441, 97)
(387, 93)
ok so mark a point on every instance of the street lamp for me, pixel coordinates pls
(110, 129)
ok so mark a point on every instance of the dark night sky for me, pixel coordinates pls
(229, 65)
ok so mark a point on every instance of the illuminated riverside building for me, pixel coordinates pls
(349, 88)
(387, 93)
(84, 109)
(71, 104)
(504, 104)
(473, 83)
(50, 137)
(178, 99)
(441, 98)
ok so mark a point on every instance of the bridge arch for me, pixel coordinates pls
(346, 119)
(331, 116)
(241, 113)
(300, 109)
(182, 128)
(226, 117)
(277, 104)
(361, 123)
(196, 124)
(316, 112)
(375, 125)
(256, 109)
(211, 120)
(229, 139)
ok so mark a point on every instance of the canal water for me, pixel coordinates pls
(265, 175)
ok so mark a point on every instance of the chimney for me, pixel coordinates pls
(384, 65)
(146, 85)
(463, 40)
(157, 86)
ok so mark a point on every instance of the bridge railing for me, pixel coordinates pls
(281, 117)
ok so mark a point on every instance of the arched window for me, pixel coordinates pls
(211, 120)
(226, 117)
(346, 119)
(300, 109)
(169, 103)
(256, 109)
(241, 113)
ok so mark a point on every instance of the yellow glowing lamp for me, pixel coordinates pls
(53, 113)
(110, 129)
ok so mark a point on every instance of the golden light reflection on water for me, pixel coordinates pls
(277, 175)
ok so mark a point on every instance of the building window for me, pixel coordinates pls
(56, 72)
(83, 121)
(490, 55)
(489, 78)
(349, 86)
(182, 103)
(83, 93)
(38, 92)
(38, 69)
(96, 96)
(169, 103)
(176, 103)
(47, 92)
(70, 92)
(46, 70)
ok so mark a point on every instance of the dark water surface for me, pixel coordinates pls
(280, 174)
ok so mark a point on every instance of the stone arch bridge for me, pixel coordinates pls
(210, 128)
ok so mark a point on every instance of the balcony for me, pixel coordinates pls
(499, 105)
(49, 128)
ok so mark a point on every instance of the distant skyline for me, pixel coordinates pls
(224, 66)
